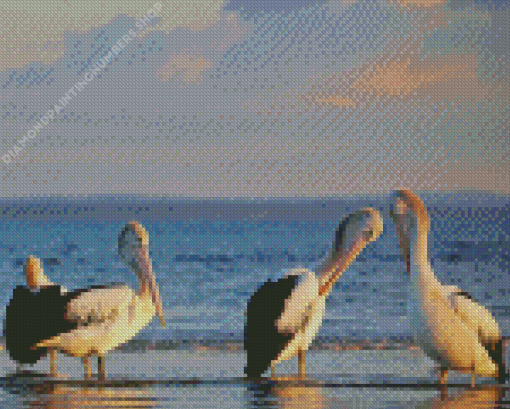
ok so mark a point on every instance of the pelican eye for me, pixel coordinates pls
(369, 234)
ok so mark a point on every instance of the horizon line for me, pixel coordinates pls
(463, 192)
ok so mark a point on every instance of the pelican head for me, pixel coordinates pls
(134, 251)
(354, 233)
(409, 214)
(34, 273)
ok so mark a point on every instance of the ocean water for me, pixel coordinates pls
(209, 256)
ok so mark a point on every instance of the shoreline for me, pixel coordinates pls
(134, 346)
(220, 345)
(209, 345)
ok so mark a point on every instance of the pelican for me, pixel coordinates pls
(25, 322)
(450, 326)
(105, 317)
(283, 317)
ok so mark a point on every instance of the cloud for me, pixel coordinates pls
(186, 66)
(31, 32)
(418, 3)
(340, 101)
(189, 65)
(397, 78)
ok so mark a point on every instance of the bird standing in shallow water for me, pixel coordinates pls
(450, 326)
(283, 317)
(105, 317)
(29, 316)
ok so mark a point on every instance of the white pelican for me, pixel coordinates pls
(106, 317)
(283, 317)
(27, 320)
(450, 326)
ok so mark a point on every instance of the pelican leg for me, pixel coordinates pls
(301, 364)
(101, 368)
(502, 374)
(86, 364)
(444, 376)
(473, 379)
(444, 392)
(53, 362)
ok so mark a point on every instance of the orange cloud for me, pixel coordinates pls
(189, 68)
(339, 101)
(397, 78)
(419, 3)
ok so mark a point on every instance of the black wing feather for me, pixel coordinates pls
(32, 317)
(262, 341)
(35, 316)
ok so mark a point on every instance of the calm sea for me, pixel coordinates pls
(209, 256)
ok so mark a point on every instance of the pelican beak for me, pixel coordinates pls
(403, 235)
(362, 240)
(354, 249)
(145, 266)
(34, 273)
(340, 261)
(159, 311)
(31, 272)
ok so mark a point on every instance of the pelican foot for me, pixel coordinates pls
(444, 392)
(87, 370)
(101, 368)
(301, 364)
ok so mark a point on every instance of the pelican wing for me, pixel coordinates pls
(299, 305)
(262, 341)
(99, 305)
(475, 316)
(448, 337)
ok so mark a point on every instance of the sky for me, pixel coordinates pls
(210, 99)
